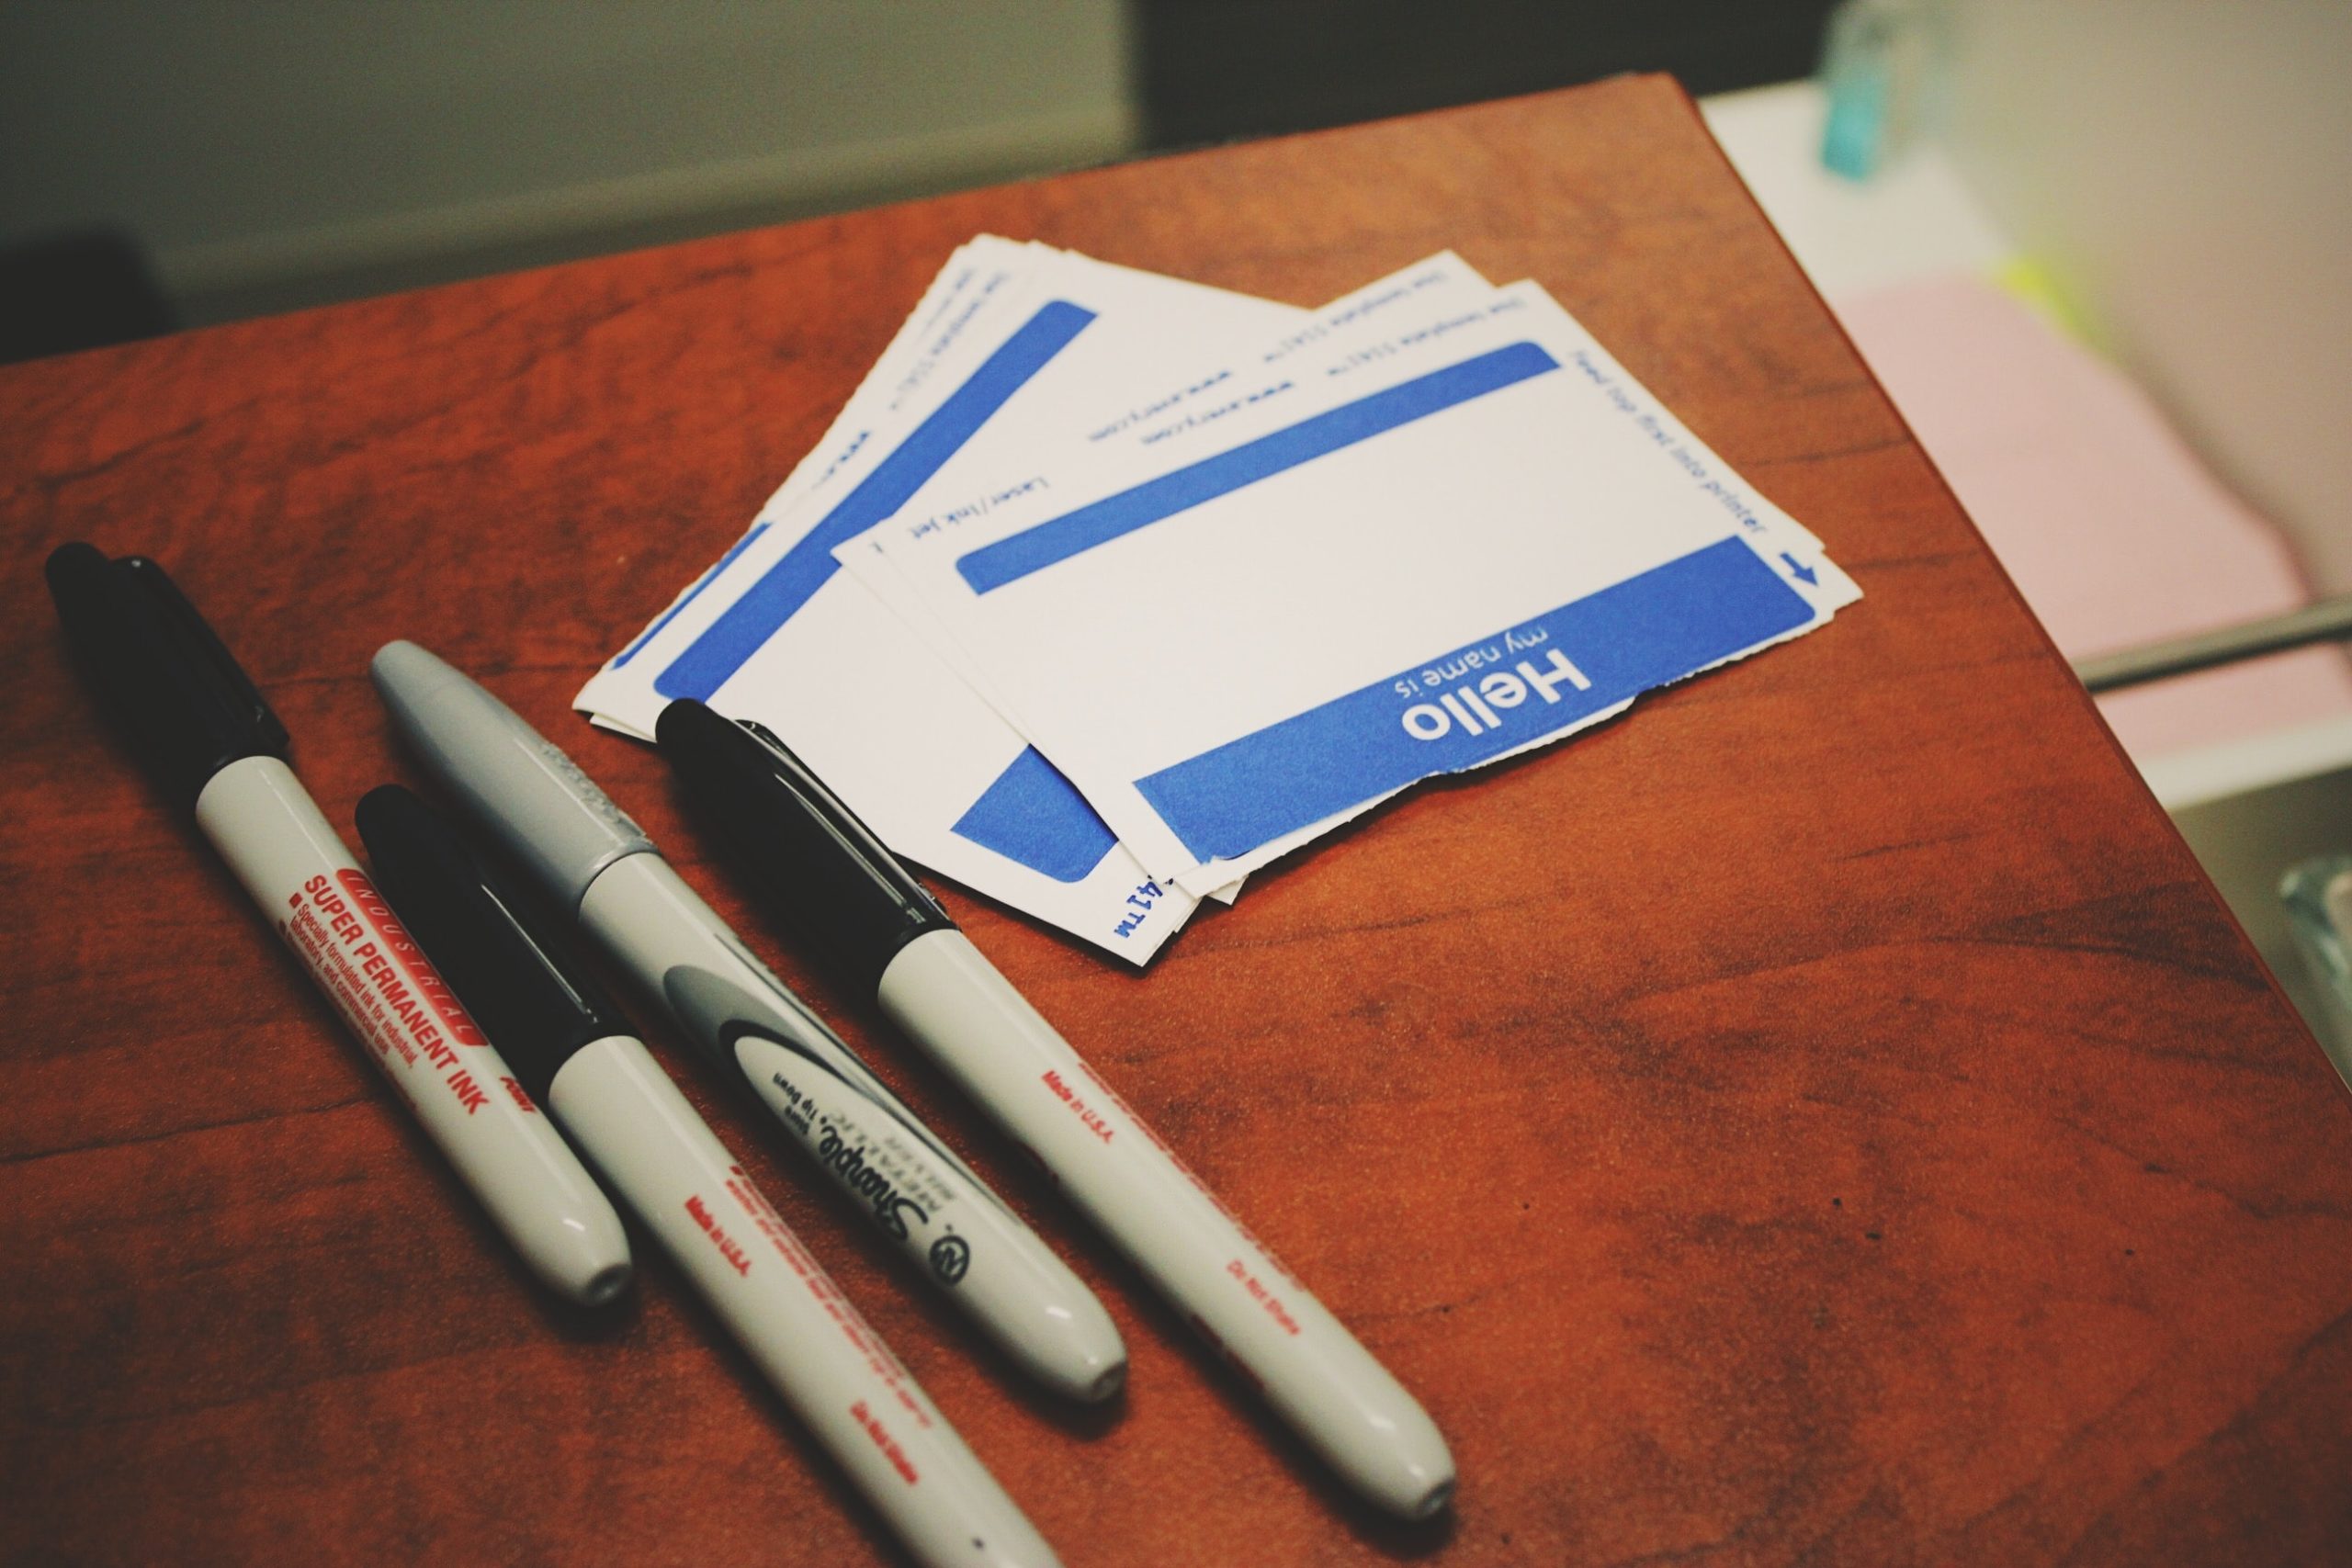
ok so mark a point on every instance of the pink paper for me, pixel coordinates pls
(2115, 532)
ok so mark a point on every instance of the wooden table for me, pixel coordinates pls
(1825, 1115)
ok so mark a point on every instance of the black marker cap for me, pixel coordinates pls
(828, 874)
(158, 671)
(533, 1001)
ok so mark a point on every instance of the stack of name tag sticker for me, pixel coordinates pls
(1107, 589)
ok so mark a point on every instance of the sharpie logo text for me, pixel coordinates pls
(848, 1163)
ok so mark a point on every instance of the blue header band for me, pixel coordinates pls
(1473, 704)
(705, 580)
(808, 565)
(1033, 549)
(1033, 815)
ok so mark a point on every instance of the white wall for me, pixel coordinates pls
(2184, 167)
(264, 145)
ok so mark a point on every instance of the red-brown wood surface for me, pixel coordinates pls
(1823, 1116)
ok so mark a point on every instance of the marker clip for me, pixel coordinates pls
(824, 871)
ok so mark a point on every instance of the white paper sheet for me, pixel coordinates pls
(1149, 584)
(1379, 562)
(778, 635)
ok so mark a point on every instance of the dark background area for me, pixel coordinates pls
(1213, 71)
(1203, 72)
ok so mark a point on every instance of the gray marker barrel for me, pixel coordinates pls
(587, 854)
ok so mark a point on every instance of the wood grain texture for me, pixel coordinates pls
(1823, 1117)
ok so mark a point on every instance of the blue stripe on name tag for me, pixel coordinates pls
(649, 633)
(1475, 702)
(808, 565)
(1034, 816)
(1034, 549)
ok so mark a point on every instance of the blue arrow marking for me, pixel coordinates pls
(1804, 574)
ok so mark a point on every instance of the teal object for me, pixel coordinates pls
(1854, 139)
(1881, 68)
